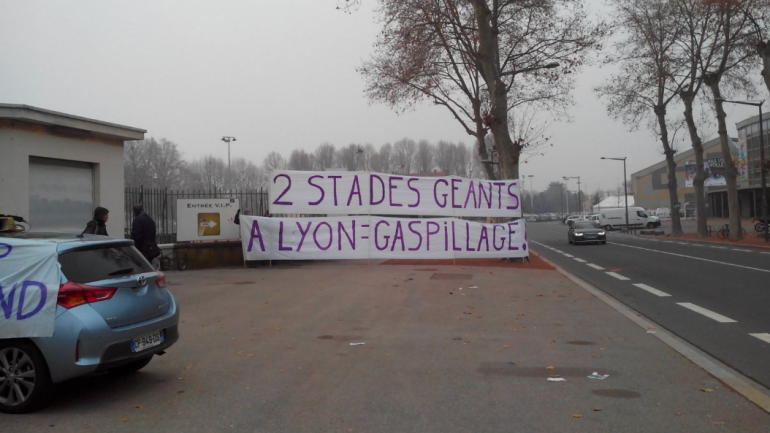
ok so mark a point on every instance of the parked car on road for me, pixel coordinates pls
(114, 313)
(586, 232)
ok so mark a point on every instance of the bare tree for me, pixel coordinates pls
(404, 151)
(153, 163)
(464, 55)
(300, 160)
(445, 156)
(423, 157)
(324, 156)
(208, 173)
(247, 175)
(350, 157)
(274, 161)
(650, 76)
(732, 34)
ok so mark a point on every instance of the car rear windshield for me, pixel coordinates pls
(102, 263)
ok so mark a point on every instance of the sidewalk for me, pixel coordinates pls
(751, 239)
(269, 350)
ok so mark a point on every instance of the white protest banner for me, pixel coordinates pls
(29, 286)
(360, 193)
(361, 237)
(206, 219)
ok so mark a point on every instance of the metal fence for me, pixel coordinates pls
(160, 204)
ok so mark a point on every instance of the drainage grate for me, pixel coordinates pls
(451, 276)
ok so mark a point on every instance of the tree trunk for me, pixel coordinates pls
(673, 192)
(481, 134)
(497, 120)
(700, 174)
(764, 54)
(731, 172)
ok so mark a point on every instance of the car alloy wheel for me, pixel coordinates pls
(25, 383)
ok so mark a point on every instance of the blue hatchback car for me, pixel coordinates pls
(113, 314)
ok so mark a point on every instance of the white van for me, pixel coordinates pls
(663, 213)
(637, 217)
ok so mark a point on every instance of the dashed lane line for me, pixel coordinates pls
(568, 255)
(763, 337)
(693, 257)
(743, 251)
(597, 267)
(654, 291)
(708, 313)
(720, 248)
(577, 259)
(618, 276)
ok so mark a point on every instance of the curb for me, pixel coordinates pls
(700, 241)
(751, 390)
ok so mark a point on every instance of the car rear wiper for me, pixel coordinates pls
(121, 272)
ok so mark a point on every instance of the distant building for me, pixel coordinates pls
(613, 201)
(55, 168)
(749, 180)
(651, 184)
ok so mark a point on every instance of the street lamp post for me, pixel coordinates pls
(625, 185)
(580, 202)
(228, 140)
(762, 168)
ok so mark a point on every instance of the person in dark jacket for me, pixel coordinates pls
(143, 232)
(98, 225)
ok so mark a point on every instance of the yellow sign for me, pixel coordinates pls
(208, 224)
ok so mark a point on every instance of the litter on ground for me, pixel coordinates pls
(598, 376)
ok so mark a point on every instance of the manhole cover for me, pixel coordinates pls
(451, 276)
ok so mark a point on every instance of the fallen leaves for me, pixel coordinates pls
(550, 367)
(139, 406)
(123, 420)
(577, 415)
(719, 423)
(554, 375)
(707, 390)
(189, 367)
(597, 409)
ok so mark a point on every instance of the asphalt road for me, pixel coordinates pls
(715, 297)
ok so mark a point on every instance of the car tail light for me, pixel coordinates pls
(160, 282)
(74, 294)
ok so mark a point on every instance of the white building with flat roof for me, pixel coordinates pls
(55, 168)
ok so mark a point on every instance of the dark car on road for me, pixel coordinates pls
(584, 232)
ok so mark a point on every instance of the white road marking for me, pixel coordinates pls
(683, 243)
(708, 313)
(697, 245)
(597, 267)
(692, 257)
(618, 276)
(743, 251)
(655, 292)
(721, 248)
(763, 337)
(667, 242)
(764, 252)
(559, 251)
(579, 260)
(568, 255)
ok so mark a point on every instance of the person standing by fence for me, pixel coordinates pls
(143, 233)
(98, 225)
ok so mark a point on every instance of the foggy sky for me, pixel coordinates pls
(278, 75)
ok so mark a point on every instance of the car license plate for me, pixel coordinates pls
(145, 342)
